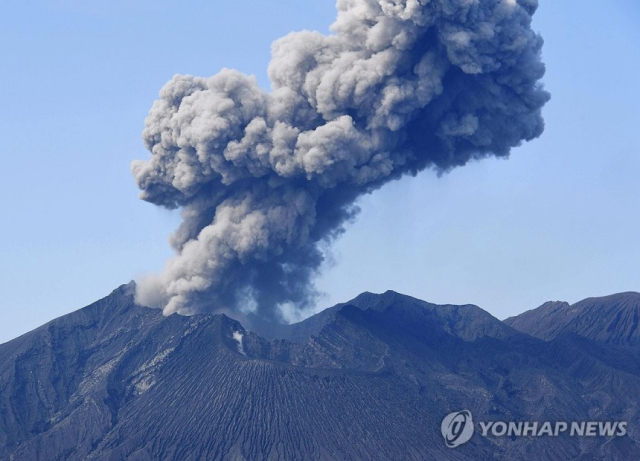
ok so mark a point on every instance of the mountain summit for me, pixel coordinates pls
(368, 379)
(610, 319)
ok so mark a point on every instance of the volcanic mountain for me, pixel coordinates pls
(612, 319)
(369, 379)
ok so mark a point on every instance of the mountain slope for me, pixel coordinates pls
(469, 320)
(373, 381)
(610, 319)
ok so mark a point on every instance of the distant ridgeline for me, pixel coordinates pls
(369, 379)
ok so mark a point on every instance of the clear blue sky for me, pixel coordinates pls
(559, 220)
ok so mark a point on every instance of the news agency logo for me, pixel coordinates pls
(457, 428)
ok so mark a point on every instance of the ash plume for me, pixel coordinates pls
(265, 180)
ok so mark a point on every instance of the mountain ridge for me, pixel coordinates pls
(372, 381)
(613, 319)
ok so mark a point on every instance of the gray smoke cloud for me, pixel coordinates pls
(266, 179)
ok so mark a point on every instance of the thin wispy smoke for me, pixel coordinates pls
(265, 179)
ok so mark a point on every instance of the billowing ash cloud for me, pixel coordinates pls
(266, 179)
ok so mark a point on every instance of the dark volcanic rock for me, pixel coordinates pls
(369, 379)
(610, 319)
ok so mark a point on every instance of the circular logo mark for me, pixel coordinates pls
(457, 428)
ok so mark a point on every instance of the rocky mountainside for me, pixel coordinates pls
(610, 319)
(369, 379)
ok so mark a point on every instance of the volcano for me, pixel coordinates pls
(369, 379)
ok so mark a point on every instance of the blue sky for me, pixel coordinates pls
(559, 220)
